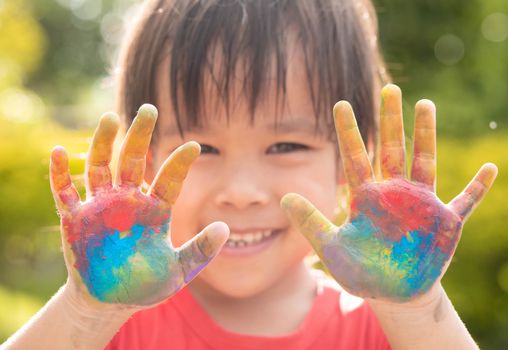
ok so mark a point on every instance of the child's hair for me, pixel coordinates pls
(338, 39)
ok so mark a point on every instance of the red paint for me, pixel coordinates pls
(397, 207)
(412, 209)
(119, 217)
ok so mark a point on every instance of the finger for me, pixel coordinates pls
(423, 167)
(65, 194)
(466, 202)
(131, 165)
(357, 167)
(98, 173)
(308, 220)
(195, 254)
(393, 151)
(169, 179)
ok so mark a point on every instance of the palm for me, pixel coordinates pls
(116, 243)
(399, 238)
(120, 246)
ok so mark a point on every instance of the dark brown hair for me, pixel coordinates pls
(338, 39)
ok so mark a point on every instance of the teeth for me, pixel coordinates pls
(235, 237)
(248, 237)
(245, 239)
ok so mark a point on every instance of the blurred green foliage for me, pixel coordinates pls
(55, 58)
(477, 280)
(21, 307)
(450, 52)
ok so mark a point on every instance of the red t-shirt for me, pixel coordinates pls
(336, 321)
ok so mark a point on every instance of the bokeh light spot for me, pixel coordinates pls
(495, 27)
(112, 28)
(20, 106)
(449, 49)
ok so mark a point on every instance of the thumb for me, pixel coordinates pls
(196, 253)
(309, 220)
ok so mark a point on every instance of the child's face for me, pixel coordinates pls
(240, 177)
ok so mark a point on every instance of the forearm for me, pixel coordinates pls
(430, 323)
(64, 323)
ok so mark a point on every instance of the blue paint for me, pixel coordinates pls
(360, 227)
(415, 255)
(406, 247)
(418, 256)
(108, 253)
(105, 253)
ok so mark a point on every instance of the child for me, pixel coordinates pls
(251, 82)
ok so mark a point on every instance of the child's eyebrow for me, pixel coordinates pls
(303, 124)
(293, 125)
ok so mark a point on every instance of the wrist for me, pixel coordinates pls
(433, 303)
(81, 307)
(91, 324)
(427, 322)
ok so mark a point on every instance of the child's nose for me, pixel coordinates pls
(242, 189)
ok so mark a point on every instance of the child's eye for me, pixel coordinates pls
(207, 149)
(286, 147)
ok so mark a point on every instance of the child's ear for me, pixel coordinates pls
(150, 171)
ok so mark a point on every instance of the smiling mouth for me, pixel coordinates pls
(240, 240)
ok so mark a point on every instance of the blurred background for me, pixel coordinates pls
(56, 63)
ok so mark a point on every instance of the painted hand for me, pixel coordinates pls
(399, 238)
(115, 243)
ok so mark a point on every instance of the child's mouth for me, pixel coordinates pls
(247, 243)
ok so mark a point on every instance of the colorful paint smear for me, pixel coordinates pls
(116, 241)
(396, 244)
(119, 241)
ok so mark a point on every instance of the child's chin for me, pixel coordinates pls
(244, 290)
(237, 283)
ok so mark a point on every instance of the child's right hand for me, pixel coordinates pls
(115, 243)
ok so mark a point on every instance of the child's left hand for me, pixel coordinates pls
(400, 238)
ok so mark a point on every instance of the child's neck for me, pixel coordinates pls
(276, 311)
